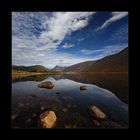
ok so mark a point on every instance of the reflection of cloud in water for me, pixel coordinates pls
(70, 93)
(125, 107)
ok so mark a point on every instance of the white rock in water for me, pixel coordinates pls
(48, 119)
(96, 112)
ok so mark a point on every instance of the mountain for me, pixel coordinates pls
(80, 67)
(58, 68)
(34, 68)
(113, 63)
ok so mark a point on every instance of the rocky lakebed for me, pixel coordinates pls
(64, 103)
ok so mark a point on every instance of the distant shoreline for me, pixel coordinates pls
(19, 74)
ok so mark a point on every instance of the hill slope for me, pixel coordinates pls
(113, 63)
(58, 68)
(35, 68)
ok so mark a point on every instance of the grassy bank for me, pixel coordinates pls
(19, 74)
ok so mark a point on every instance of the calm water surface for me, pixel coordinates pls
(70, 104)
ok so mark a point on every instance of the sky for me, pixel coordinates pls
(66, 38)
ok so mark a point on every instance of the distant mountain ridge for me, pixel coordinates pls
(113, 63)
(58, 68)
(34, 68)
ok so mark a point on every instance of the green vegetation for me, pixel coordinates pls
(24, 71)
(35, 68)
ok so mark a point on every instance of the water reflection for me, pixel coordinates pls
(31, 78)
(115, 82)
(67, 100)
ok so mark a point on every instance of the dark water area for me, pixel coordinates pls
(109, 92)
(115, 82)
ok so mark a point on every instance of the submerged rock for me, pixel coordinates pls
(14, 116)
(65, 110)
(42, 108)
(83, 87)
(33, 95)
(34, 115)
(97, 113)
(48, 119)
(48, 85)
(20, 105)
(96, 123)
(28, 120)
(70, 126)
(67, 126)
(68, 106)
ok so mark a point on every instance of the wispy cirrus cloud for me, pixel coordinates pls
(37, 37)
(105, 51)
(80, 39)
(114, 17)
(121, 34)
(87, 52)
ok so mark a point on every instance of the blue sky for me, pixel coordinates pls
(66, 38)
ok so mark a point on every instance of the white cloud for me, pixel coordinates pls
(80, 39)
(49, 59)
(66, 46)
(62, 24)
(87, 52)
(37, 35)
(105, 51)
(121, 34)
(115, 16)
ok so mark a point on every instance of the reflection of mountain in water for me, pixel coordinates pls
(115, 82)
(32, 78)
(71, 97)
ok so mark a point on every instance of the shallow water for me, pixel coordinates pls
(70, 104)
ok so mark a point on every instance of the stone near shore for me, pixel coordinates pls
(48, 119)
(83, 87)
(97, 113)
(48, 85)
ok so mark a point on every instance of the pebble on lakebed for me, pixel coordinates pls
(96, 112)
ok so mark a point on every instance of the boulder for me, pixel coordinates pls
(48, 119)
(83, 87)
(97, 113)
(48, 85)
